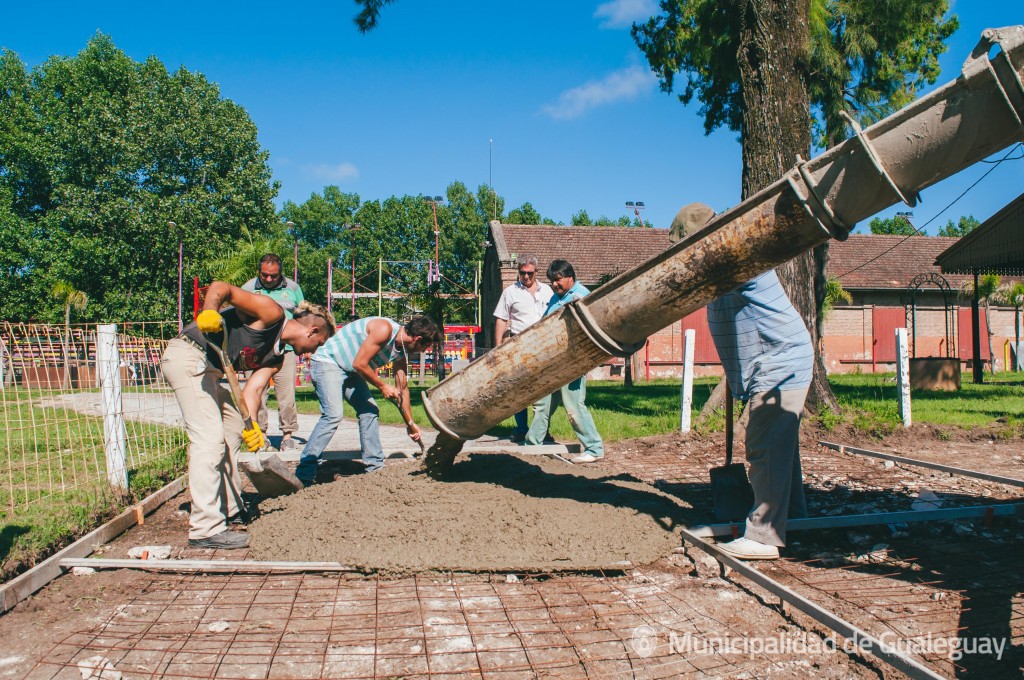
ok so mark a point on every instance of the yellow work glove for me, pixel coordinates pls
(253, 438)
(209, 321)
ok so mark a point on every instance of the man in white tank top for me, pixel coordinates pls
(343, 369)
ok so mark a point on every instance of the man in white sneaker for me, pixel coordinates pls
(768, 359)
(520, 306)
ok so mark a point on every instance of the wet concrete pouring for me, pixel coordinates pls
(524, 521)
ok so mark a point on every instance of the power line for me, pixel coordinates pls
(995, 164)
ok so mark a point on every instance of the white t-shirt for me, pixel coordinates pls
(521, 308)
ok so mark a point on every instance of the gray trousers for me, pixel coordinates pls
(773, 453)
(284, 390)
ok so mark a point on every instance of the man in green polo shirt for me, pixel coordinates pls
(288, 295)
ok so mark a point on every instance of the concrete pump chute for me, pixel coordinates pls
(956, 126)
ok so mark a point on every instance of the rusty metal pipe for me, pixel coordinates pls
(960, 124)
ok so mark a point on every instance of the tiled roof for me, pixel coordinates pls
(593, 251)
(878, 261)
(862, 261)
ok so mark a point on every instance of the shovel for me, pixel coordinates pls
(268, 473)
(731, 493)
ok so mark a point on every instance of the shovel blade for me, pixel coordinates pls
(270, 476)
(731, 493)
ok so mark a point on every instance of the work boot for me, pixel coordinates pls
(288, 444)
(225, 540)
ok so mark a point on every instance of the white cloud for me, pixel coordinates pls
(332, 173)
(622, 85)
(622, 13)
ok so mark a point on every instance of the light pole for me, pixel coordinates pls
(181, 258)
(436, 275)
(352, 229)
(637, 207)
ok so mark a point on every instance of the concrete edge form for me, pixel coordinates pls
(843, 448)
(414, 452)
(20, 587)
(261, 567)
(864, 641)
(204, 566)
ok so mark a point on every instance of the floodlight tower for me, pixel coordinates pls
(436, 275)
(636, 207)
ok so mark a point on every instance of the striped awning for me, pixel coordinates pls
(995, 247)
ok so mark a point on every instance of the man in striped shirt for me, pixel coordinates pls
(341, 370)
(768, 359)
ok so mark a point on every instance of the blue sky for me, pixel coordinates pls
(550, 101)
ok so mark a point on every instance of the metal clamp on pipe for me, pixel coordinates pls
(597, 336)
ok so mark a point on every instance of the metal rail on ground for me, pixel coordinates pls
(864, 641)
(902, 460)
(876, 519)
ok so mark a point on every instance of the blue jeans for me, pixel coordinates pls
(333, 386)
(572, 397)
(521, 420)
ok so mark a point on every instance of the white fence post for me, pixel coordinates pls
(686, 404)
(903, 375)
(108, 368)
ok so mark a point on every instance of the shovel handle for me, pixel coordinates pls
(236, 389)
(728, 425)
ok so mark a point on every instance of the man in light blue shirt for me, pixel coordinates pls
(572, 396)
(768, 359)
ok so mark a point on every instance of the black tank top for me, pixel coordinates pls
(248, 348)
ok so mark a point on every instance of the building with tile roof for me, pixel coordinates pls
(875, 269)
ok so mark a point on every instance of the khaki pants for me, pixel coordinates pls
(214, 428)
(284, 389)
(773, 452)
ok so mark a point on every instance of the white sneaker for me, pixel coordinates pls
(586, 458)
(749, 549)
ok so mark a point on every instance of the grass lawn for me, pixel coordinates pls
(867, 401)
(53, 476)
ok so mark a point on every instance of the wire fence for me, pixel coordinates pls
(87, 423)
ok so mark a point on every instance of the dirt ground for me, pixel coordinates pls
(503, 514)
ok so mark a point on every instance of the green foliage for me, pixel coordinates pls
(868, 57)
(893, 226)
(99, 153)
(963, 227)
(583, 219)
(834, 292)
(524, 214)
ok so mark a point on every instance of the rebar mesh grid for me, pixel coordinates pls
(452, 626)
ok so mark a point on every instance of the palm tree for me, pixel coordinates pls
(69, 297)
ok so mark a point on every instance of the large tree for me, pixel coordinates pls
(761, 67)
(893, 226)
(98, 153)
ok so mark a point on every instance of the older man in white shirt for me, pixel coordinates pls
(521, 305)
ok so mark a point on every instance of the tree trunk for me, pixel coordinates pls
(773, 63)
